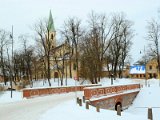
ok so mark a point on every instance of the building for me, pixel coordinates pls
(137, 71)
(61, 58)
(148, 71)
(107, 71)
(62, 62)
(152, 69)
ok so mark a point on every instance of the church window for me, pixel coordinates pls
(74, 66)
(52, 36)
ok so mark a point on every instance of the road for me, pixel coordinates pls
(32, 109)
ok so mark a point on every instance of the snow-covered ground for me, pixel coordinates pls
(147, 98)
(137, 111)
(55, 83)
(71, 111)
(60, 107)
(5, 97)
(32, 109)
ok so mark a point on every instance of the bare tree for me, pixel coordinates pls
(23, 66)
(89, 64)
(27, 53)
(46, 40)
(95, 44)
(127, 35)
(121, 44)
(153, 35)
(72, 33)
(4, 42)
(42, 66)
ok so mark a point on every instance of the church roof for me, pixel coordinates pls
(51, 23)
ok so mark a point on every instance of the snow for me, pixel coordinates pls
(63, 106)
(147, 98)
(137, 69)
(71, 111)
(5, 97)
(32, 109)
(54, 83)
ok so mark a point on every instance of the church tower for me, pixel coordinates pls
(52, 31)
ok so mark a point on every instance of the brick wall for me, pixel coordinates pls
(125, 99)
(33, 92)
(101, 91)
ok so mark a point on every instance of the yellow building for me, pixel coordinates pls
(108, 71)
(137, 71)
(152, 69)
(62, 62)
(148, 71)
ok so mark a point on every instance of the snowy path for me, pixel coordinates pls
(31, 109)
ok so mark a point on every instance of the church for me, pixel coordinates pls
(62, 63)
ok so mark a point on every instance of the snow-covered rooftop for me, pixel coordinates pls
(137, 69)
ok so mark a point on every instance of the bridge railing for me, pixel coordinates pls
(101, 91)
(32, 92)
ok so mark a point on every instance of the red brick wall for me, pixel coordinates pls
(125, 99)
(100, 91)
(27, 93)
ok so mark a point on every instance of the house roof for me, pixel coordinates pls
(137, 69)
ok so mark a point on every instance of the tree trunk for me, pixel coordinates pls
(48, 70)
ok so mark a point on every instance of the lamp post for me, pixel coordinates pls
(11, 79)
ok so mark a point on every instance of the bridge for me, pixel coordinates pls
(96, 94)
(112, 96)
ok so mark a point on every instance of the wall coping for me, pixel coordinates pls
(87, 85)
(110, 86)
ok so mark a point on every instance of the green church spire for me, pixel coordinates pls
(51, 23)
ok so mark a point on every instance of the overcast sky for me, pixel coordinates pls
(22, 14)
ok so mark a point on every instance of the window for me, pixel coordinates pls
(155, 75)
(74, 66)
(150, 75)
(150, 67)
(140, 75)
(52, 36)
